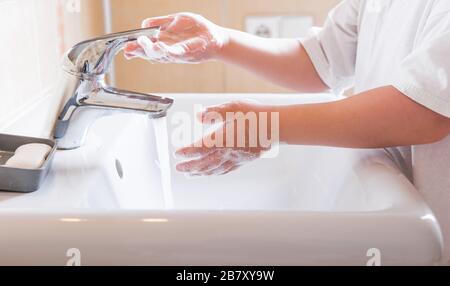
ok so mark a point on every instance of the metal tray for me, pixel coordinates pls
(22, 180)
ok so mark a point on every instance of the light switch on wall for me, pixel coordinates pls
(263, 26)
(289, 26)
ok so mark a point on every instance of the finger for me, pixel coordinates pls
(176, 51)
(210, 118)
(208, 162)
(137, 53)
(159, 51)
(225, 167)
(193, 152)
(131, 46)
(192, 50)
(230, 170)
(179, 52)
(211, 161)
(130, 56)
(180, 23)
(153, 51)
(223, 163)
(162, 21)
(245, 155)
(168, 38)
(196, 44)
(189, 51)
(224, 111)
(222, 170)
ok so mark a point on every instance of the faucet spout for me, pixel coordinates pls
(92, 98)
(93, 58)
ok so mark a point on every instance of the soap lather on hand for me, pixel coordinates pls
(30, 156)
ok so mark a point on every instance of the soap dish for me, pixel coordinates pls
(22, 180)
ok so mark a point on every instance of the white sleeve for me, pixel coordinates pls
(332, 48)
(424, 75)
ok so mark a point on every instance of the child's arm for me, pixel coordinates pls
(190, 38)
(379, 118)
(281, 61)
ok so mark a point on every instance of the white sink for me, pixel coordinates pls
(307, 206)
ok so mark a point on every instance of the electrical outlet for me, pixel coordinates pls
(263, 26)
(289, 26)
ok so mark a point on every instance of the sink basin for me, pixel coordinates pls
(120, 201)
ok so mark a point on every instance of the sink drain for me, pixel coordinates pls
(119, 169)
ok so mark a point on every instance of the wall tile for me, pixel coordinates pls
(47, 42)
(30, 56)
(19, 56)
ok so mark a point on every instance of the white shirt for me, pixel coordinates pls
(401, 43)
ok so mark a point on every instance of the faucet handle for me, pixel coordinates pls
(93, 58)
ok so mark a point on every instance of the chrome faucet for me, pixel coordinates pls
(92, 98)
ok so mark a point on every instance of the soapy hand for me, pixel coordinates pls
(233, 145)
(183, 38)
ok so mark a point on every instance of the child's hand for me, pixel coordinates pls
(234, 144)
(183, 38)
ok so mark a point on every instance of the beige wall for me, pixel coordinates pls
(210, 77)
(35, 33)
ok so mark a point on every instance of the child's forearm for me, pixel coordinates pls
(376, 119)
(282, 61)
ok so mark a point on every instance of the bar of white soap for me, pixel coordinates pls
(30, 156)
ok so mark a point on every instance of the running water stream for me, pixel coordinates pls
(163, 150)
